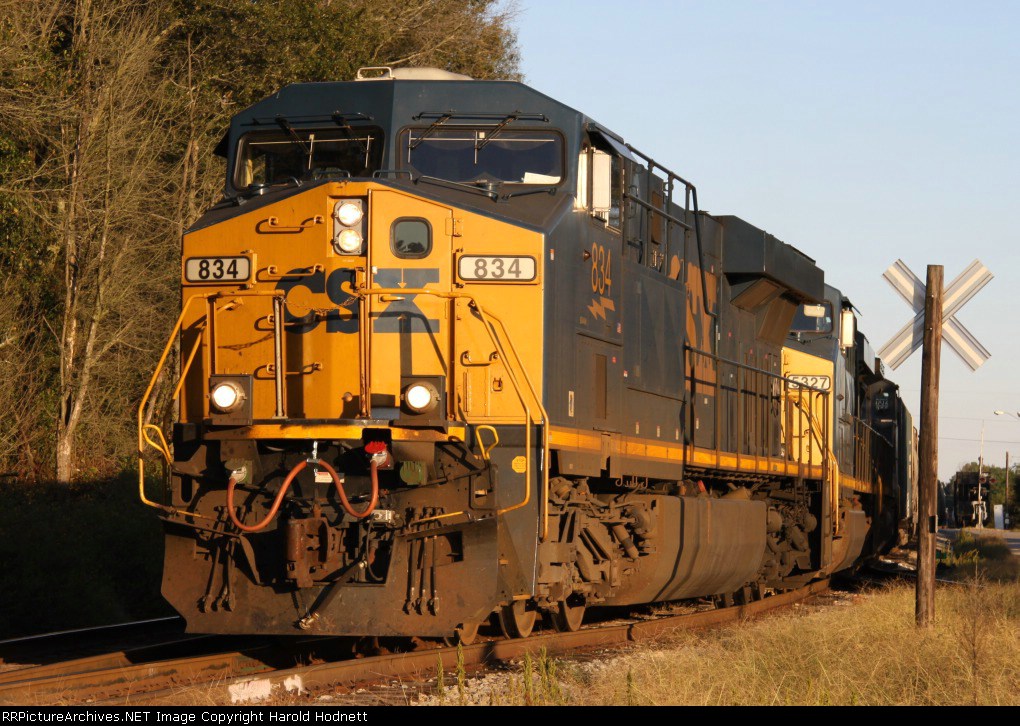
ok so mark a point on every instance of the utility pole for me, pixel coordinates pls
(924, 609)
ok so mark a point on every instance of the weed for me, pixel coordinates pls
(528, 677)
(461, 676)
(440, 681)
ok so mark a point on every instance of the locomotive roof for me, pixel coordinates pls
(393, 104)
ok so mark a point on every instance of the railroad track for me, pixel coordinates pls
(186, 661)
(31, 650)
(266, 666)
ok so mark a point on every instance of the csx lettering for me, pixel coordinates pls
(404, 316)
(397, 317)
(339, 288)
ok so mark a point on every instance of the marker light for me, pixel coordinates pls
(349, 241)
(226, 396)
(349, 214)
(420, 397)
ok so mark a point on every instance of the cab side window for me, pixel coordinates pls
(600, 185)
(411, 238)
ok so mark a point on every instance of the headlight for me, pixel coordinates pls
(348, 241)
(349, 214)
(420, 397)
(227, 396)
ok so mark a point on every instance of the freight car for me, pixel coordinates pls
(450, 349)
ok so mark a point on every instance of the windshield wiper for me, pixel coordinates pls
(340, 119)
(435, 125)
(493, 195)
(526, 192)
(482, 142)
(284, 124)
(257, 190)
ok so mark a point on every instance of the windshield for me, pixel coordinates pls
(812, 319)
(268, 157)
(470, 155)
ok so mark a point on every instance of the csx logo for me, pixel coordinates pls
(399, 316)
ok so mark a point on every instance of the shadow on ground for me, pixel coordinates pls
(77, 555)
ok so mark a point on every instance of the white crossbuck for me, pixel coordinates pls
(911, 336)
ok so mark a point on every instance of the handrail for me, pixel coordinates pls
(813, 428)
(496, 340)
(142, 439)
(769, 374)
(162, 447)
(652, 208)
(496, 336)
(789, 386)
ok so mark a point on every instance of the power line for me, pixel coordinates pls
(986, 441)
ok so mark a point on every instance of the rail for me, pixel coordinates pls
(867, 442)
(831, 478)
(690, 209)
(241, 676)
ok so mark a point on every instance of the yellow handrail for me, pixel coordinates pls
(162, 446)
(481, 444)
(831, 469)
(545, 431)
(489, 321)
(496, 340)
(142, 438)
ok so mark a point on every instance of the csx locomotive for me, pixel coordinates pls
(450, 349)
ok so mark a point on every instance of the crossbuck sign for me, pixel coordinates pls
(960, 291)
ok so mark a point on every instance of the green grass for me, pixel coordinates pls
(75, 556)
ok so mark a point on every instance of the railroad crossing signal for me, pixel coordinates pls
(960, 291)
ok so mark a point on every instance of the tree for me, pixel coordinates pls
(109, 114)
(83, 96)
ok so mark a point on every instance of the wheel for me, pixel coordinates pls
(568, 615)
(517, 620)
(465, 634)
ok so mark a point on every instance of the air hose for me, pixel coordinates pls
(337, 482)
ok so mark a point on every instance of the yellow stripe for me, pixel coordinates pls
(566, 438)
(334, 431)
(856, 484)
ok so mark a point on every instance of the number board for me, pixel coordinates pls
(496, 268)
(217, 269)
(821, 382)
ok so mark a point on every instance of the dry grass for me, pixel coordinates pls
(868, 653)
(986, 556)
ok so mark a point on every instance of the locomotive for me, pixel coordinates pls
(450, 349)
(968, 500)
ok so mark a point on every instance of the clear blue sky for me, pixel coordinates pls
(860, 133)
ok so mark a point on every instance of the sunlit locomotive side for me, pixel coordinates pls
(872, 476)
(449, 348)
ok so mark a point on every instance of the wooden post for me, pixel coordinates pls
(928, 448)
